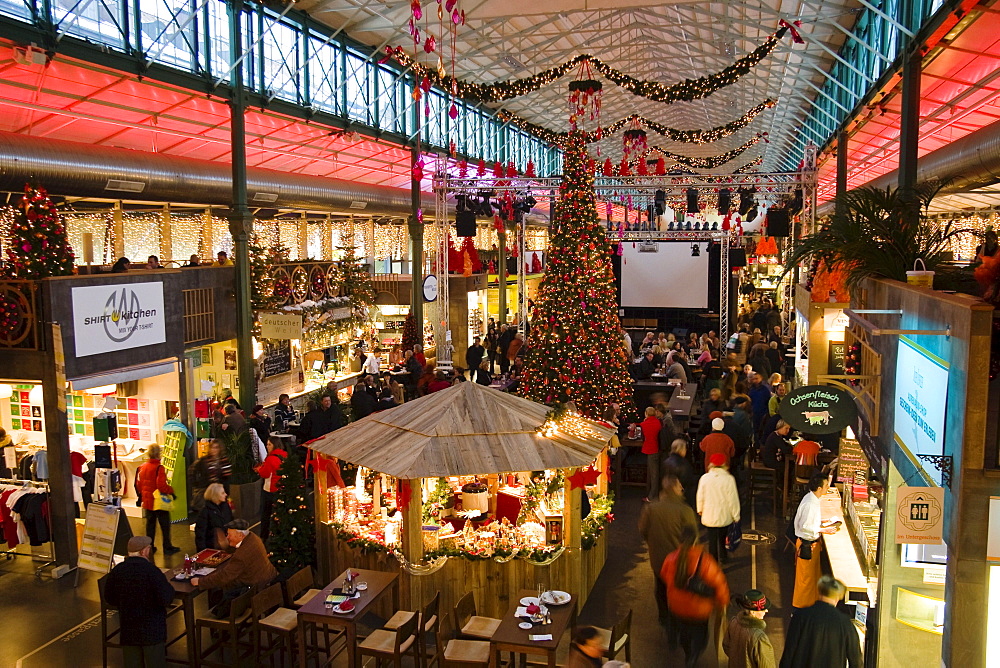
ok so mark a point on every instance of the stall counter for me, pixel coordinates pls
(840, 548)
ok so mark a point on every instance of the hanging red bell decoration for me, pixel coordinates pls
(609, 169)
(529, 171)
(661, 167)
(481, 168)
(463, 168)
(498, 170)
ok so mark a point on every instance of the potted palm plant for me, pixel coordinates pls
(244, 484)
(869, 237)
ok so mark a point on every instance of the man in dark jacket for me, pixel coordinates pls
(507, 335)
(362, 403)
(326, 418)
(141, 593)
(678, 465)
(662, 524)
(474, 357)
(820, 636)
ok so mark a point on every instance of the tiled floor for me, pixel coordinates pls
(48, 622)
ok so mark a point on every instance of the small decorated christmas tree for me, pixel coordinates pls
(355, 279)
(410, 337)
(292, 544)
(38, 246)
(577, 353)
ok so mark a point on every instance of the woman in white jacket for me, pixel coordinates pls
(718, 504)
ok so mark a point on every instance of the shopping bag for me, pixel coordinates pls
(163, 502)
(734, 536)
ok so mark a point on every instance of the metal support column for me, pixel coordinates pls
(502, 274)
(725, 276)
(240, 220)
(442, 329)
(909, 132)
(522, 279)
(416, 229)
(842, 144)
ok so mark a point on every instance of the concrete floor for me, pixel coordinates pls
(50, 623)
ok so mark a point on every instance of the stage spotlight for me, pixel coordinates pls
(695, 250)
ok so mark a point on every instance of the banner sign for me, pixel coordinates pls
(818, 409)
(920, 515)
(921, 397)
(112, 318)
(280, 326)
(992, 531)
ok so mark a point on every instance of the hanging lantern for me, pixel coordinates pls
(585, 95)
(634, 142)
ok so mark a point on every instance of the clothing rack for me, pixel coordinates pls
(51, 556)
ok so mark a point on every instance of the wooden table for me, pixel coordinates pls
(509, 637)
(186, 594)
(316, 612)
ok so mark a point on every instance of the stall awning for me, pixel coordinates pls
(467, 429)
(124, 375)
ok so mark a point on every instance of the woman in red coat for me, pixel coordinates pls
(150, 481)
(691, 610)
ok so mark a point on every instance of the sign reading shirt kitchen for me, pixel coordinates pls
(112, 318)
(280, 326)
(818, 409)
(921, 397)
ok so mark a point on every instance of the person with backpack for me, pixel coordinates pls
(272, 481)
(696, 589)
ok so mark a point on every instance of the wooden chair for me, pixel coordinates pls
(454, 652)
(428, 623)
(470, 624)
(299, 588)
(274, 623)
(226, 633)
(618, 638)
(395, 644)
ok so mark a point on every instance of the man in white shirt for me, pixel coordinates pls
(808, 519)
(718, 504)
(371, 365)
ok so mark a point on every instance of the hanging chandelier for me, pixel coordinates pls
(585, 94)
(634, 142)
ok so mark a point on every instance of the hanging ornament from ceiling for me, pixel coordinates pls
(585, 94)
(634, 141)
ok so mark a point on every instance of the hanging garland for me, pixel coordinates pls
(756, 162)
(687, 90)
(685, 136)
(710, 162)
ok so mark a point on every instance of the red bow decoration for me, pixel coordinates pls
(764, 136)
(584, 477)
(796, 37)
(403, 494)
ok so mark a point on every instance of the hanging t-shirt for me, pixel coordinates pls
(42, 465)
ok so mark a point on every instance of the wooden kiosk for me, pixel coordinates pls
(468, 489)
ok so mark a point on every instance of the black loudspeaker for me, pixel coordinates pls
(660, 201)
(777, 222)
(692, 198)
(725, 201)
(737, 258)
(746, 200)
(465, 224)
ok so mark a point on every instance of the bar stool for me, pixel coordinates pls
(229, 631)
(299, 590)
(470, 624)
(273, 622)
(394, 644)
(454, 652)
(617, 638)
(428, 623)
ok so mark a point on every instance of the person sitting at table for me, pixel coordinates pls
(676, 369)
(586, 649)
(153, 262)
(418, 352)
(483, 376)
(705, 356)
(646, 367)
(780, 390)
(385, 401)
(416, 370)
(396, 388)
(776, 446)
(718, 443)
(193, 261)
(439, 383)
(362, 403)
(247, 567)
(283, 412)
(210, 524)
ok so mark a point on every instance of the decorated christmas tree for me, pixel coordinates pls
(410, 337)
(292, 544)
(38, 246)
(356, 280)
(577, 353)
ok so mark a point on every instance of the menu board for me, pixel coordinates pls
(103, 535)
(277, 357)
(852, 465)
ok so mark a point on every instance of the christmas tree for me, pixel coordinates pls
(38, 247)
(410, 337)
(356, 281)
(577, 353)
(292, 542)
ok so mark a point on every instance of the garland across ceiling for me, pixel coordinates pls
(686, 136)
(683, 91)
(710, 162)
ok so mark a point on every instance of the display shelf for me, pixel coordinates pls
(921, 608)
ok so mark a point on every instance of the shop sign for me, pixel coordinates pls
(834, 319)
(818, 409)
(112, 318)
(921, 398)
(280, 326)
(920, 515)
(430, 288)
(852, 465)
(993, 531)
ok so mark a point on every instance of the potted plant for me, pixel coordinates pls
(244, 484)
(869, 237)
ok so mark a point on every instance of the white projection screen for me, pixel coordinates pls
(668, 278)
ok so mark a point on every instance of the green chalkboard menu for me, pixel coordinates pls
(852, 465)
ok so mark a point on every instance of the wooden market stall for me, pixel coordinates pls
(468, 489)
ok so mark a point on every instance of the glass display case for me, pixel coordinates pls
(920, 607)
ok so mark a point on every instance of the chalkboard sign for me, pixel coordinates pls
(835, 362)
(852, 465)
(277, 357)
(818, 409)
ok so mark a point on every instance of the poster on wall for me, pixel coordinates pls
(112, 318)
(921, 397)
(920, 515)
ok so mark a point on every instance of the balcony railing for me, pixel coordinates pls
(20, 318)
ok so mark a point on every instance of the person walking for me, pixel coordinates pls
(210, 524)
(141, 593)
(234, 422)
(514, 349)
(677, 464)
(151, 480)
(491, 345)
(651, 448)
(746, 642)
(696, 589)
(474, 357)
(276, 456)
(503, 343)
(760, 396)
(718, 504)
(661, 525)
(821, 636)
(808, 520)
(717, 443)
(212, 467)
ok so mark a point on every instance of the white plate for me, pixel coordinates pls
(337, 609)
(362, 586)
(529, 600)
(526, 625)
(556, 597)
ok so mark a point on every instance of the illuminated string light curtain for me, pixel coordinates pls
(222, 240)
(536, 239)
(315, 240)
(98, 224)
(288, 236)
(141, 234)
(6, 220)
(964, 245)
(486, 237)
(185, 231)
(390, 242)
(267, 232)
